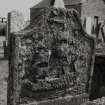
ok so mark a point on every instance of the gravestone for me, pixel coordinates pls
(53, 61)
(15, 21)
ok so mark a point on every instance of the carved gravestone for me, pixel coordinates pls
(53, 59)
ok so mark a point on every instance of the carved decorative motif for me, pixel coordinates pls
(55, 58)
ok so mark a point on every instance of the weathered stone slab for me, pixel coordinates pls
(51, 60)
(15, 21)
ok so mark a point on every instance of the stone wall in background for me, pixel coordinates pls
(93, 8)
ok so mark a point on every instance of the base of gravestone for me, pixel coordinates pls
(67, 100)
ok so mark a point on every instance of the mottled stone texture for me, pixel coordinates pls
(93, 8)
(99, 101)
(67, 100)
(52, 59)
(15, 21)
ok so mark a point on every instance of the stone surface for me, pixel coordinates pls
(93, 8)
(15, 21)
(3, 81)
(52, 59)
(99, 101)
(67, 100)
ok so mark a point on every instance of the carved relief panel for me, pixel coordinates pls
(57, 56)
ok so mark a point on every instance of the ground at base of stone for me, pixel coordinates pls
(99, 101)
(67, 100)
